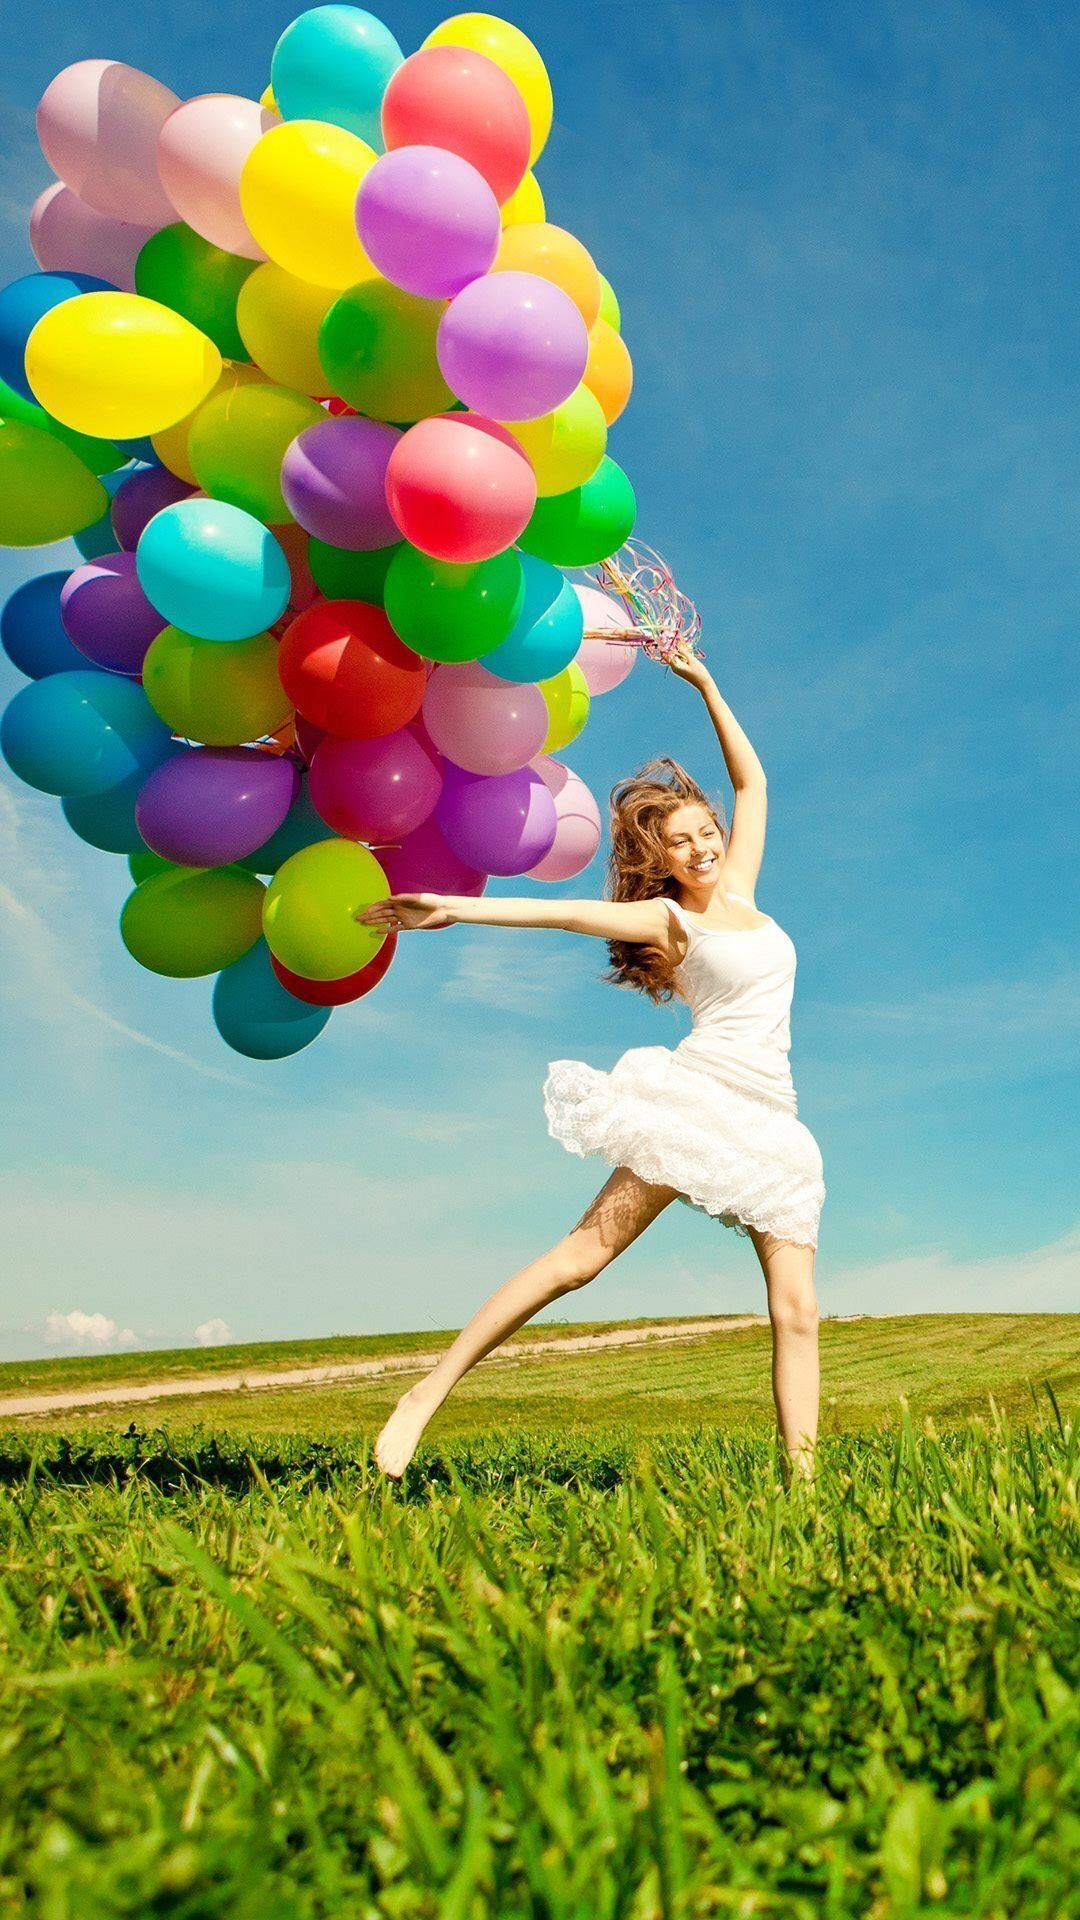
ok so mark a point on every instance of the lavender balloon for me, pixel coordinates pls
(212, 805)
(333, 478)
(512, 346)
(501, 823)
(107, 615)
(139, 497)
(429, 221)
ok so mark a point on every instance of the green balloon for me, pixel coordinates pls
(341, 574)
(189, 274)
(311, 903)
(238, 441)
(609, 304)
(99, 455)
(46, 493)
(192, 920)
(143, 863)
(452, 612)
(587, 524)
(377, 347)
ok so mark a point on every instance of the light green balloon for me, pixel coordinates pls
(218, 692)
(46, 493)
(609, 305)
(192, 920)
(238, 441)
(310, 903)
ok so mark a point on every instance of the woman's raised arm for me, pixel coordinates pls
(643, 921)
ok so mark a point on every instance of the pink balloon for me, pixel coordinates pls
(460, 487)
(67, 236)
(376, 789)
(98, 124)
(424, 863)
(483, 723)
(577, 829)
(201, 151)
(605, 663)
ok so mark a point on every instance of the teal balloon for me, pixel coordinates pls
(548, 630)
(212, 570)
(98, 537)
(333, 64)
(107, 820)
(300, 828)
(80, 733)
(256, 1016)
(32, 632)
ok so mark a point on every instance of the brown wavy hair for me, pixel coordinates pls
(637, 864)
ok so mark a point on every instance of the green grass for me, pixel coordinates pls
(577, 1666)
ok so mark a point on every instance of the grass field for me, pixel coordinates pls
(589, 1661)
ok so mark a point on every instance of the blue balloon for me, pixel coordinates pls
(107, 820)
(548, 630)
(257, 1016)
(212, 570)
(333, 64)
(78, 733)
(301, 827)
(32, 632)
(22, 305)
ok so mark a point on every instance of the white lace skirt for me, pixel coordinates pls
(739, 1156)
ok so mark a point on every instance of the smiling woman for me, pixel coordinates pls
(713, 1122)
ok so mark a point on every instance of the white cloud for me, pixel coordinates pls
(213, 1333)
(78, 1329)
(931, 1280)
(499, 974)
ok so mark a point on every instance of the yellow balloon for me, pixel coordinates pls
(171, 446)
(119, 365)
(525, 205)
(266, 99)
(568, 700)
(565, 447)
(514, 52)
(298, 189)
(552, 254)
(279, 318)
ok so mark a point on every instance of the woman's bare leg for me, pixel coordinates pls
(621, 1211)
(796, 1370)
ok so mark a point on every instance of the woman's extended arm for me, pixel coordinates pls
(746, 841)
(645, 922)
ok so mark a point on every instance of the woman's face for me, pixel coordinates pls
(695, 847)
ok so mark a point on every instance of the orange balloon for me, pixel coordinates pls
(535, 246)
(609, 370)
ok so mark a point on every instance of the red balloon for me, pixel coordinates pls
(308, 736)
(293, 542)
(451, 97)
(337, 993)
(460, 487)
(344, 668)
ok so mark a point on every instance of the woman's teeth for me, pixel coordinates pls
(702, 866)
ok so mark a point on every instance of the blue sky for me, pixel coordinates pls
(847, 245)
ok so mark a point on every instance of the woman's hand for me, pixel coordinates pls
(405, 911)
(688, 666)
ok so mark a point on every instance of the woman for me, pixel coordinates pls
(711, 1122)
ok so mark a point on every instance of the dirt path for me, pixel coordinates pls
(12, 1405)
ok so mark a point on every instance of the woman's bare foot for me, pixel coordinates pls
(400, 1437)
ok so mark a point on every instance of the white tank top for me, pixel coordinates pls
(738, 983)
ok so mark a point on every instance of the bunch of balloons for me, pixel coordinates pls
(323, 399)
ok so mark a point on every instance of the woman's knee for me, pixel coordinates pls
(575, 1261)
(793, 1307)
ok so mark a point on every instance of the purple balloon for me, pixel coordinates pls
(428, 220)
(512, 346)
(212, 805)
(107, 615)
(139, 497)
(374, 789)
(500, 822)
(333, 477)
